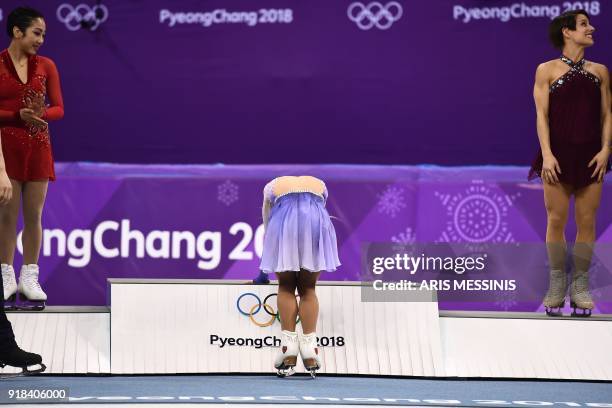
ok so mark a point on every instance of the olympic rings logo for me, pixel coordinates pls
(257, 307)
(74, 17)
(374, 14)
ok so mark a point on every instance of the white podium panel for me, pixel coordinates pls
(570, 349)
(163, 327)
(71, 340)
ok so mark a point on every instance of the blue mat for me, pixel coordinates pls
(323, 390)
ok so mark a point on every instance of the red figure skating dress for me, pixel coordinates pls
(26, 147)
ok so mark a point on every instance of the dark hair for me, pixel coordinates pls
(22, 18)
(565, 20)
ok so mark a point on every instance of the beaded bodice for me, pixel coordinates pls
(576, 68)
(317, 188)
(283, 186)
(41, 86)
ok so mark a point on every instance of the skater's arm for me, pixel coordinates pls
(550, 166)
(9, 116)
(268, 197)
(325, 193)
(55, 110)
(6, 189)
(606, 114)
(600, 161)
(265, 211)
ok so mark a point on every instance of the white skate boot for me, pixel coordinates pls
(286, 359)
(29, 288)
(310, 353)
(557, 289)
(580, 297)
(10, 286)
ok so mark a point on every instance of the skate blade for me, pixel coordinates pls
(311, 365)
(285, 372)
(554, 311)
(9, 304)
(30, 308)
(30, 305)
(25, 372)
(286, 367)
(584, 312)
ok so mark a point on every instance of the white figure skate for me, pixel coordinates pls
(10, 286)
(287, 357)
(580, 297)
(310, 353)
(30, 291)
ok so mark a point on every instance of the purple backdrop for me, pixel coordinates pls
(98, 215)
(445, 82)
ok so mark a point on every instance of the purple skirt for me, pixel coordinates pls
(299, 236)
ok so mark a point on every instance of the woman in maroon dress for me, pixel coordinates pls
(30, 96)
(572, 98)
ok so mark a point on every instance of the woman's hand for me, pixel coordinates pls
(550, 169)
(29, 116)
(6, 189)
(601, 161)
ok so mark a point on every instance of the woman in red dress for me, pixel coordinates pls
(30, 96)
(574, 124)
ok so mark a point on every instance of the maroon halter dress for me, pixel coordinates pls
(574, 120)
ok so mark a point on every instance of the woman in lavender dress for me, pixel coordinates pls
(299, 243)
(574, 124)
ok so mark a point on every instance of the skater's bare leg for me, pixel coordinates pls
(34, 194)
(9, 214)
(286, 358)
(309, 314)
(287, 303)
(556, 200)
(309, 303)
(587, 203)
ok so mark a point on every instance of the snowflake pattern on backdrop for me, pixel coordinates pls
(227, 193)
(477, 215)
(406, 237)
(391, 201)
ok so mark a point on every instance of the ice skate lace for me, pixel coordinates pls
(32, 283)
(6, 280)
(309, 341)
(289, 338)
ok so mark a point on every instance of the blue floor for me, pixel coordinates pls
(323, 390)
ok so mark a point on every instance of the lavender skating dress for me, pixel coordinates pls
(299, 233)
